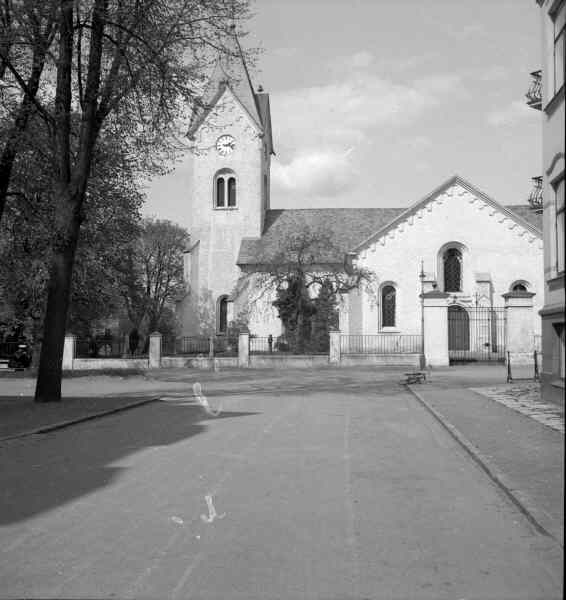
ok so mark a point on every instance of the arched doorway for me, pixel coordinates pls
(458, 329)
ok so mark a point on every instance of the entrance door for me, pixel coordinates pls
(458, 329)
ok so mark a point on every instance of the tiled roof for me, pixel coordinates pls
(346, 226)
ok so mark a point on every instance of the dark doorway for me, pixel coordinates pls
(458, 328)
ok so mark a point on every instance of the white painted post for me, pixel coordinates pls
(69, 352)
(244, 349)
(519, 327)
(155, 350)
(334, 350)
(435, 328)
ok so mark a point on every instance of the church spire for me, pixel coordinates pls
(230, 71)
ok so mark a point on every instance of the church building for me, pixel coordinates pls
(456, 240)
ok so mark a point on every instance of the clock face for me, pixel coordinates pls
(225, 145)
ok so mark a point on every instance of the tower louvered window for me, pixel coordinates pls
(388, 306)
(225, 189)
(452, 270)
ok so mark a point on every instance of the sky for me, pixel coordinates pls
(376, 103)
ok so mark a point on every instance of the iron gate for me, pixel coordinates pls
(476, 334)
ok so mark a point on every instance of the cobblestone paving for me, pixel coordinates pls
(526, 399)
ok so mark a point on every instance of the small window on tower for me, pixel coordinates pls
(232, 192)
(220, 185)
(225, 189)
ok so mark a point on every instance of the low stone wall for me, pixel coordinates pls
(282, 361)
(95, 364)
(192, 362)
(385, 360)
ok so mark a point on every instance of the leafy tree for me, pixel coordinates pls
(110, 224)
(151, 277)
(129, 68)
(325, 318)
(308, 278)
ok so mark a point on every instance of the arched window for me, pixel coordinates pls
(220, 193)
(388, 306)
(231, 192)
(519, 286)
(225, 189)
(452, 262)
(222, 314)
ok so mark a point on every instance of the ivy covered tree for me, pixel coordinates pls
(308, 280)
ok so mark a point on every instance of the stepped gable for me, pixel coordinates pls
(346, 226)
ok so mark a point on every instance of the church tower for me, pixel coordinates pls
(231, 145)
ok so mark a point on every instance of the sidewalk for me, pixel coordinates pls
(510, 431)
(83, 398)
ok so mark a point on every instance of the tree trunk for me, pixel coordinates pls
(48, 387)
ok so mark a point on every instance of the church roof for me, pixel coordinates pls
(348, 227)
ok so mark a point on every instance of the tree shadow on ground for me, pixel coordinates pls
(44, 471)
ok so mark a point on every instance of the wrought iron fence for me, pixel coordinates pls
(263, 345)
(534, 93)
(100, 347)
(225, 345)
(476, 334)
(535, 197)
(385, 343)
(186, 345)
(221, 345)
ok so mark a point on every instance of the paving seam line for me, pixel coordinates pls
(531, 513)
(64, 424)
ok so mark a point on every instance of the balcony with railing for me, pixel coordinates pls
(534, 95)
(535, 197)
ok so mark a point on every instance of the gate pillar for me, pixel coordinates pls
(435, 328)
(519, 327)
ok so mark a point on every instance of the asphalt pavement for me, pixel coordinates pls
(331, 484)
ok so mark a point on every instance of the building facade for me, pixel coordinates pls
(552, 22)
(457, 240)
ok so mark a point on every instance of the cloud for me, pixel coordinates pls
(345, 113)
(517, 111)
(284, 51)
(323, 174)
(358, 60)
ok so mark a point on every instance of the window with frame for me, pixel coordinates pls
(223, 314)
(558, 17)
(388, 305)
(225, 189)
(452, 260)
(559, 208)
(519, 287)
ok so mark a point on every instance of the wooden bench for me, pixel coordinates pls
(415, 377)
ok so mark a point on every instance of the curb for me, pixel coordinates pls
(90, 417)
(540, 521)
